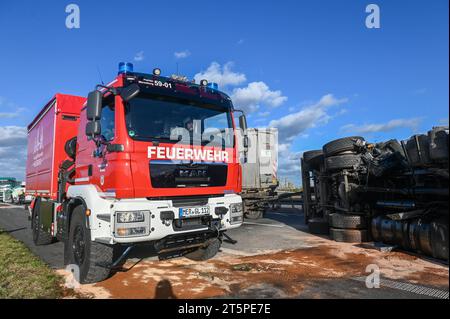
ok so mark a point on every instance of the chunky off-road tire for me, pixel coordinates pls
(205, 253)
(318, 226)
(347, 161)
(342, 145)
(348, 221)
(40, 237)
(439, 145)
(71, 147)
(349, 235)
(90, 257)
(254, 214)
(418, 151)
(313, 159)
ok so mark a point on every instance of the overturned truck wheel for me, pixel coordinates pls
(345, 144)
(349, 235)
(313, 159)
(348, 221)
(347, 161)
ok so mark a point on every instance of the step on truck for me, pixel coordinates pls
(146, 159)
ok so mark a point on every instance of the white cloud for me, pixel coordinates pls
(241, 41)
(255, 93)
(412, 123)
(6, 104)
(9, 115)
(264, 114)
(139, 56)
(13, 145)
(223, 76)
(295, 124)
(182, 54)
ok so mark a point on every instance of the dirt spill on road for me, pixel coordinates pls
(279, 274)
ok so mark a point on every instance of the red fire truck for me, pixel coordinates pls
(146, 159)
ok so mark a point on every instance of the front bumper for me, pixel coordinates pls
(162, 220)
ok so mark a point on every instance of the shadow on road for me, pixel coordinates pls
(290, 217)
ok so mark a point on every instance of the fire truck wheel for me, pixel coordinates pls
(254, 214)
(40, 237)
(342, 145)
(348, 221)
(349, 235)
(92, 258)
(205, 253)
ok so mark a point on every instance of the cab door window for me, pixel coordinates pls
(107, 121)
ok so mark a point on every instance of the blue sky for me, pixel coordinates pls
(310, 68)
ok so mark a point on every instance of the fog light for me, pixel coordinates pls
(127, 232)
(236, 220)
(204, 82)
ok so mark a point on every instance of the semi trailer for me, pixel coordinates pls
(144, 160)
(259, 160)
(391, 192)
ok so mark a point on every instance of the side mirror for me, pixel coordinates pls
(94, 106)
(243, 122)
(93, 129)
(129, 92)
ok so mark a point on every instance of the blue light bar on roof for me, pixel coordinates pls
(213, 86)
(124, 68)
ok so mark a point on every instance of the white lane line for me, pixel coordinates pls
(417, 289)
(268, 225)
(8, 206)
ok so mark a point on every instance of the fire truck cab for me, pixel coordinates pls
(146, 159)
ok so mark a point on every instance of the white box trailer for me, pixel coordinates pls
(259, 162)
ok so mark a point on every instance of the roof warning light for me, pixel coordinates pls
(125, 68)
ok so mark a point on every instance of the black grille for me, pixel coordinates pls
(171, 175)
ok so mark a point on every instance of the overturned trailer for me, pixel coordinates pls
(391, 192)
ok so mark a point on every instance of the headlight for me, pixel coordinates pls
(130, 217)
(236, 209)
(237, 212)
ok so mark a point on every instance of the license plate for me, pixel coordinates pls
(193, 211)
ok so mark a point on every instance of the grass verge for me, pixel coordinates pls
(23, 275)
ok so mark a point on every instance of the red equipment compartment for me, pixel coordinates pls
(47, 134)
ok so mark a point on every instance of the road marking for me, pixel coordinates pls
(417, 289)
(268, 225)
(11, 206)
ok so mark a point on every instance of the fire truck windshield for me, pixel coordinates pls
(169, 120)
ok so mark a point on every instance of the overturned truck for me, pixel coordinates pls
(392, 192)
